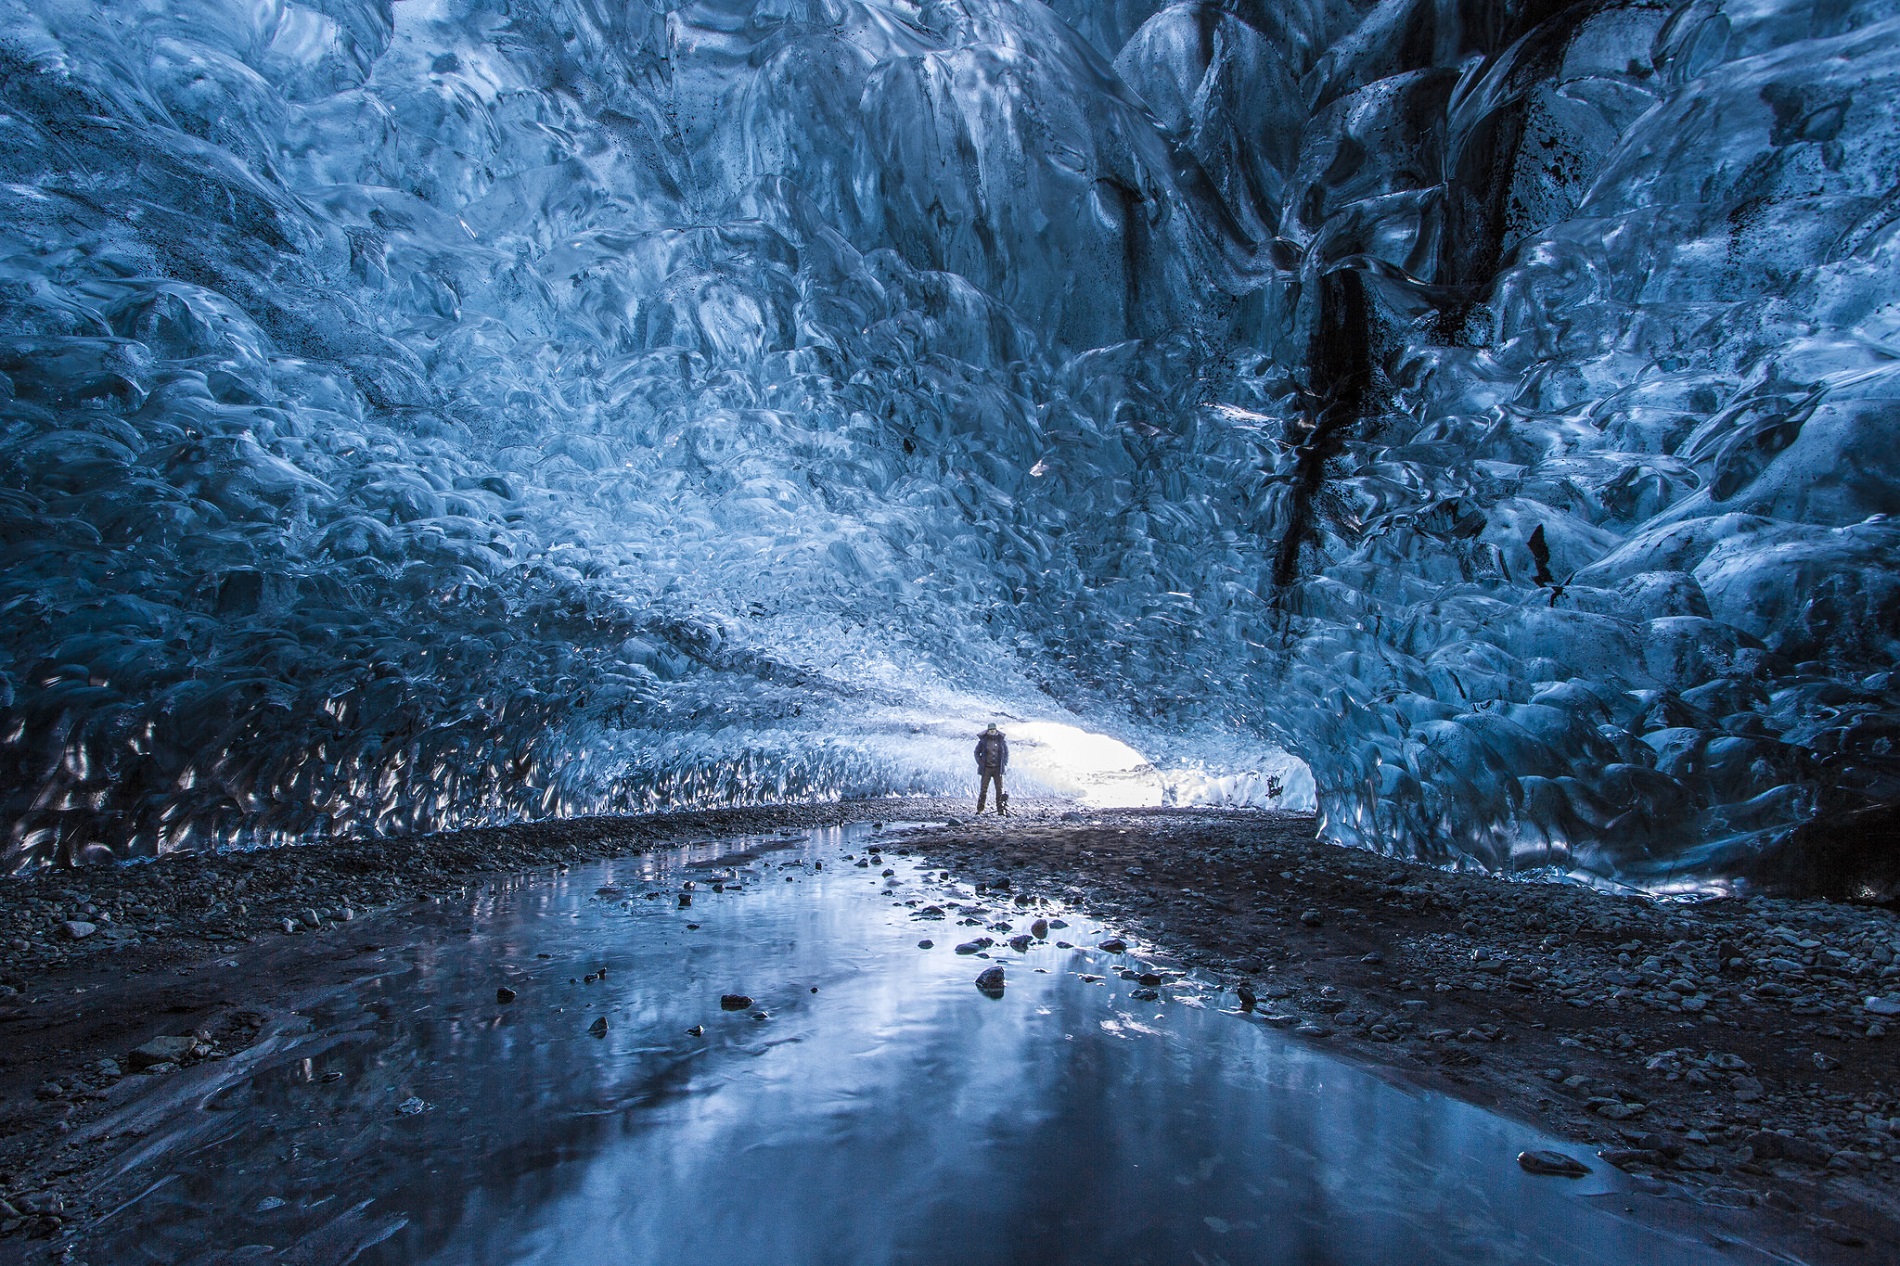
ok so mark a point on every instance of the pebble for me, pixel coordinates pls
(1553, 1164)
(734, 1002)
(162, 1050)
(599, 1027)
(1113, 945)
(77, 930)
(504, 994)
(991, 981)
(926, 943)
(311, 919)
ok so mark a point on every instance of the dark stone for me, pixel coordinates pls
(1113, 945)
(504, 994)
(991, 982)
(1149, 979)
(1553, 1164)
(734, 1002)
(1145, 995)
(599, 1027)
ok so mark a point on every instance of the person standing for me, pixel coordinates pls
(992, 758)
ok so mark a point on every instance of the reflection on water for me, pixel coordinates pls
(881, 1111)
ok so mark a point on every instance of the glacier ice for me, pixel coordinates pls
(459, 411)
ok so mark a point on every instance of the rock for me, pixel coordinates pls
(686, 899)
(1145, 994)
(991, 982)
(77, 930)
(1311, 918)
(1021, 943)
(1148, 978)
(1552, 1164)
(599, 1027)
(1058, 924)
(1624, 1157)
(1888, 1005)
(412, 1106)
(331, 1078)
(504, 994)
(926, 943)
(698, 1030)
(1248, 1000)
(1767, 1145)
(734, 1002)
(972, 947)
(109, 1068)
(1039, 929)
(162, 1050)
(311, 919)
(1311, 1029)
(288, 926)
(1615, 1109)
(1113, 945)
(1825, 1063)
(1747, 1089)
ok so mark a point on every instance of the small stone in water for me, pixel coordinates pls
(926, 944)
(330, 1077)
(1553, 1164)
(599, 1027)
(991, 982)
(734, 1002)
(1113, 945)
(504, 994)
(412, 1106)
(698, 1030)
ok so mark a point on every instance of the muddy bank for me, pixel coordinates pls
(1733, 1052)
(1722, 1052)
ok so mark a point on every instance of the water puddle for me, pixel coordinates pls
(868, 1105)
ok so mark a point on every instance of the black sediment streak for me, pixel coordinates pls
(1340, 378)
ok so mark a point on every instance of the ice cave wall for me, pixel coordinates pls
(463, 411)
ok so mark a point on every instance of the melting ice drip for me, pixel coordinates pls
(459, 411)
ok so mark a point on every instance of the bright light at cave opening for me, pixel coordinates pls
(1102, 772)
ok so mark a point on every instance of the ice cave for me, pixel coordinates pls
(1413, 479)
(432, 414)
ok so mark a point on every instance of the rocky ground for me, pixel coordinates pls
(1730, 1052)
(1735, 1052)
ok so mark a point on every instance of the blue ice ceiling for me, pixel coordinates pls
(450, 412)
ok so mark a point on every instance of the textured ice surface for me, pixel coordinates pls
(439, 413)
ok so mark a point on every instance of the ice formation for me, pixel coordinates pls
(463, 410)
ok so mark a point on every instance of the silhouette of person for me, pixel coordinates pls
(992, 758)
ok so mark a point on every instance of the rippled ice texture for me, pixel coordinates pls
(469, 410)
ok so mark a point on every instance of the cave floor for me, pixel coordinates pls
(1764, 1101)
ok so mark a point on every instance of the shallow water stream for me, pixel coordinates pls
(871, 1106)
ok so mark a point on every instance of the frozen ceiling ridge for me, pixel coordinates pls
(455, 412)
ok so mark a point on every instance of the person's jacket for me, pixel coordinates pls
(992, 753)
